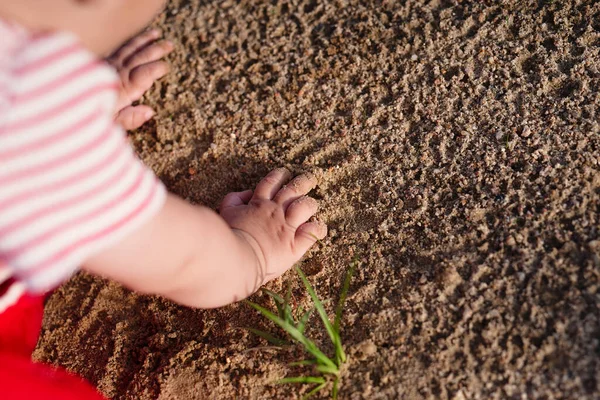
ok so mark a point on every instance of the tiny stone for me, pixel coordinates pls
(511, 241)
(366, 349)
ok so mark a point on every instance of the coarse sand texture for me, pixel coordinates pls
(457, 148)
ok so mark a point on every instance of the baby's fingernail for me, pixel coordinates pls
(149, 114)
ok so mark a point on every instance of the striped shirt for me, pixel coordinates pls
(70, 184)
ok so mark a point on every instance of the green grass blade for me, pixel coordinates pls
(304, 320)
(269, 337)
(325, 369)
(336, 387)
(314, 391)
(302, 363)
(301, 379)
(287, 314)
(339, 350)
(344, 294)
(309, 346)
(335, 339)
(275, 296)
(279, 302)
(288, 294)
(287, 310)
(299, 312)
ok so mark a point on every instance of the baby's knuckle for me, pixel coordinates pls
(270, 180)
(146, 73)
(282, 233)
(256, 203)
(292, 188)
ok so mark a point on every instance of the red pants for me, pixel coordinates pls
(21, 378)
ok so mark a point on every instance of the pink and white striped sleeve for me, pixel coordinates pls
(70, 184)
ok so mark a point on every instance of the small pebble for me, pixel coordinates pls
(366, 349)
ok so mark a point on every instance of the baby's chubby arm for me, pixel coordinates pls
(198, 258)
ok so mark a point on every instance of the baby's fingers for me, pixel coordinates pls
(144, 76)
(138, 42)
(270, 184)
(153, 52)
(301, 210)
(298, 187)
(235, 199)
(308, 234)
(133, 117)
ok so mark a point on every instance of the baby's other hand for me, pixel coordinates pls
(273, 220)
(139, 64)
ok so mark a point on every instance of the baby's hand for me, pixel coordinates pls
(139, 64)
(273, 220)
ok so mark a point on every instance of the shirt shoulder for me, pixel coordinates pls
(70, 184)
(51, 74)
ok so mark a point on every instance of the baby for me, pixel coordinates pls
(72, 192)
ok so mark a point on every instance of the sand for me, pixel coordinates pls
(456, 145)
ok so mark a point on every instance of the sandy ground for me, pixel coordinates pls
(457, 146)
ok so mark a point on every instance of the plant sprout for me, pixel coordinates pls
(294, 325)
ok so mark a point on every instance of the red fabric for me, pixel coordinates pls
(21, 378)
(20, 326)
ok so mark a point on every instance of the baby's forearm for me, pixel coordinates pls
(198, 258)
(188, 254)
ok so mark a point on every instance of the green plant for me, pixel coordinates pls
(294, 325)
